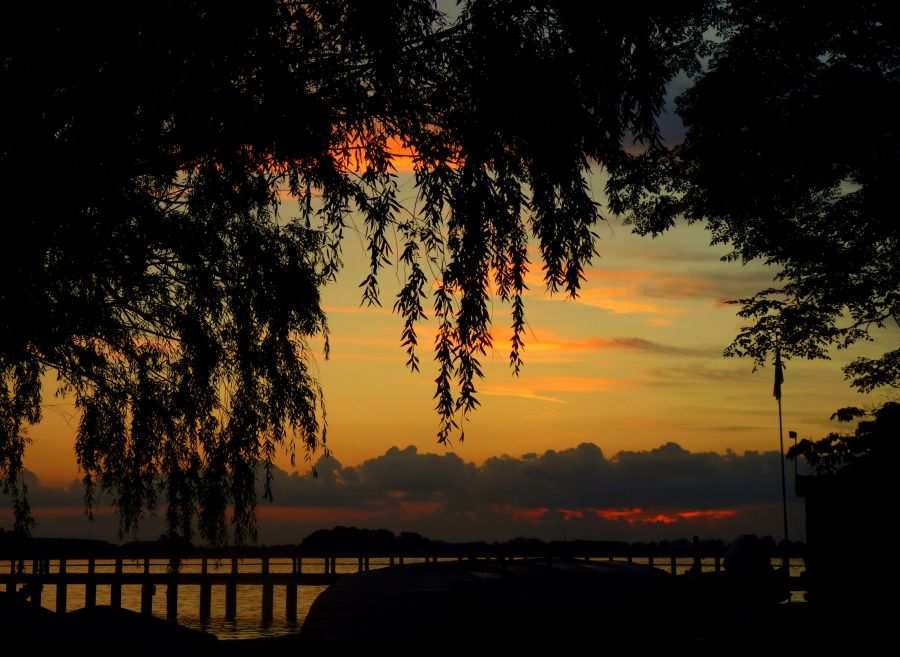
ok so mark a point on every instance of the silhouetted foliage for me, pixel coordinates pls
(353, 542)
(791, 156)
(846, 503)
(148, 264)
(866, 456)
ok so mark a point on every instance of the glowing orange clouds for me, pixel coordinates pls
(51, 512)
(401, 155)
(415, 510)
(518, 513)
(655, 291)
(626, 296)
(712, 514)
(539, 388)
(619, 514)
(631, 516)
(621, 302)
(639, 516)
(353, 156)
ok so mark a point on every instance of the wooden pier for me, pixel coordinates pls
(41, 573)
(34, 574)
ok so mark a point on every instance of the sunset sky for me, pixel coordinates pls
(626, 420)
(634, 365)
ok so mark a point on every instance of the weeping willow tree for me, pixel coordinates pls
(149, 263)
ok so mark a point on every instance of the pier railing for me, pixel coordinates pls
(30, 576)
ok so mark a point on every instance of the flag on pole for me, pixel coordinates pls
(779, 375)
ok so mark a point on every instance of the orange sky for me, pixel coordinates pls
(635, 362)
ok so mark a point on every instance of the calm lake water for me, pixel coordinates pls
(247, 623)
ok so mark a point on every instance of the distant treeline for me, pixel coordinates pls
(354, 542)
(351, 541)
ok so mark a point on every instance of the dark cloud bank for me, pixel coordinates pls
(577, 493)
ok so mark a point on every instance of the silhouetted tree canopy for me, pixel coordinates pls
(791, 156)
(866, 457)
(147, 261)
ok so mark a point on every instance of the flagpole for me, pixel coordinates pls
(779, 379)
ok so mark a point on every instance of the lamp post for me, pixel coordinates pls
(779, 379)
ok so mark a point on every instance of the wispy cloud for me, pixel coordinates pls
(579, 383)
(548, 388)
(645, 290)
(521, 392)
(622, 297)
(718, 287)
(622, 302)
(738, 373)
(549, 342)
(636, 344)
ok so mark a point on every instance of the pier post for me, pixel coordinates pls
(391, 562)
(267, 593)
(231, 592)
(11, 584)
(147, 590)
(290, 592)
(115, 589)
(205, 591)
(674, 565)
(90, 587)
(650, 561)
(61, 590)
(36, 565)
(366, 563)
(359, 567)
(718, 563)
(172, 597)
